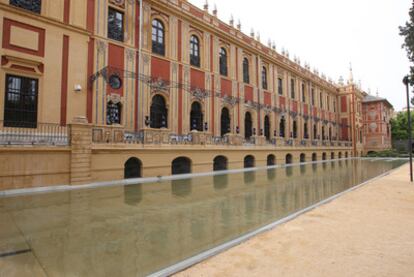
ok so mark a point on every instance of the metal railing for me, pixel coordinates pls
(20, 133)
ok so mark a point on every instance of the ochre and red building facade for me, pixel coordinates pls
(91, 83)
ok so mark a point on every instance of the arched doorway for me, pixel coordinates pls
(196, 117)
(282, 127)
(181, 165)
(305, 131)
(220, 163)
(249, 161)
(132, 168)
(271, 160)
(225, 121)
(314, 157)
(302, 158)
(324, 156)
(289, 159)
(295, 129)
(158, 113)
(248, 126)
(267, 127)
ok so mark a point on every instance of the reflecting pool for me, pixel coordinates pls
(139, 229)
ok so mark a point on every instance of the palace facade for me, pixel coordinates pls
(96, 90)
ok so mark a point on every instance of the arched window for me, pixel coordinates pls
(332, 155)
(158, 37)
(323, 132)
(346, 155)
(267, 127)
(246, 75)
(340, 155)
(181, 165)
(305, 131)
(264, 77)
(314, 157)
(225, 121)
(289, 158)
(302, 158)
(195, 51)
(324, 156)
(220, 163)
(32, 5)
(223, 62)
(132, 168)
(158, 113)
(282, 127)
(248, 126)
(248, 161)
(330, 133)
(315, 132)
(196, 117)
(295, 129)
(271, 160)
(113, 113)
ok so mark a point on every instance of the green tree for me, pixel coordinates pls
(399, 126)
(407, 32)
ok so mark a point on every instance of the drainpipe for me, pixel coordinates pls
(140, 93)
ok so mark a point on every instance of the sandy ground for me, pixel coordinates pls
(367, 232)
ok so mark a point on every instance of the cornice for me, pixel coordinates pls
(237, 39)
(40, 18)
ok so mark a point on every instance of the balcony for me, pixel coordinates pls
(46, 134)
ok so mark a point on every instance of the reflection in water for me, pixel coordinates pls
(93, 233)
(302, 169)
(220, 181)
(271, 174)
(289, 171)
(133, 194)
(249, 177)
(181, 188)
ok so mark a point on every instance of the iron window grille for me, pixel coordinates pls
(223, 62)
(20, 109)
(115, 24)
(113, 113)
(30, 5)
(158, 37)
(194, 51)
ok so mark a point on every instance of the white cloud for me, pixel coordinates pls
(331, 33)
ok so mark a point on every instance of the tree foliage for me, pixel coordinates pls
(399, 126)
(407, 31)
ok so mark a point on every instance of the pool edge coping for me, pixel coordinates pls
(189, 262)
(127, 182)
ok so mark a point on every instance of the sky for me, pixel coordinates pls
(331, 35)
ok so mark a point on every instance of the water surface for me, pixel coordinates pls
(139, 229)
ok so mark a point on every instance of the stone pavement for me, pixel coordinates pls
(367, 232)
